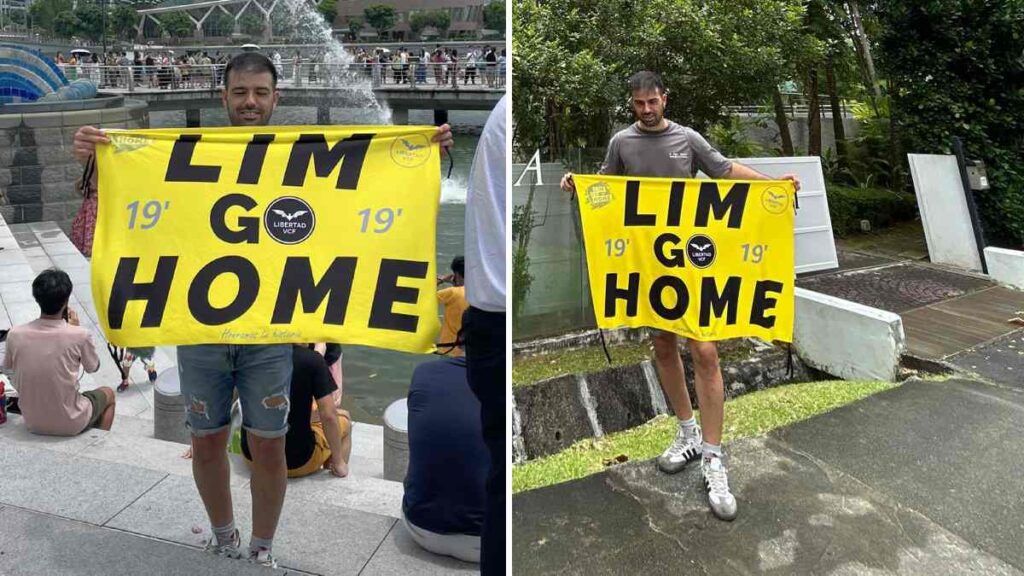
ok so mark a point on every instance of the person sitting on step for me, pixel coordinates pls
(45, 357)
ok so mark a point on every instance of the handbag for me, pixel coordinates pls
(84, 224)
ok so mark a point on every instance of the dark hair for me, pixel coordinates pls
(52, 289)
(459, 266)
(250, 62)
(645, 80)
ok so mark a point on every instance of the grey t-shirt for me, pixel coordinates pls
(676, 152)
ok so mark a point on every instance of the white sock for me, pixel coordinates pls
(224, 534)
(688, 426)
(712, 450)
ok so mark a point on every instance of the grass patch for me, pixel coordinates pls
(748, 415)
(235, 446)
(530, 369)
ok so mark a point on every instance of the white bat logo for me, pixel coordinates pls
(288, 216)
(700, 248)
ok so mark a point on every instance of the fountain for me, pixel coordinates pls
(40, 111)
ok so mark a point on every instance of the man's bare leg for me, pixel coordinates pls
(711, 399)
(686, 446)
(268, 485)
(710, 389)
(107, 418)
(212, 472)
(670, 371)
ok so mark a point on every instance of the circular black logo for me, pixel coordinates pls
(700, 250)
(289, 220)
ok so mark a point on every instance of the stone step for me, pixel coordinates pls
(328, 525)
(364, 489)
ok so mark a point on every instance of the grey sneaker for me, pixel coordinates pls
(263, 557)
(684, 449)
(228, 550)
(716, 481)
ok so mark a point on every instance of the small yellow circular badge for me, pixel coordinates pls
(775, 200)
(410, 150)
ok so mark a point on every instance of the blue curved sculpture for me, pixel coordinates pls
(27, 75)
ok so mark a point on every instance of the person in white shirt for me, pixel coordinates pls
(483, 324)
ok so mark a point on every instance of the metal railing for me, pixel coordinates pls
(178, 76)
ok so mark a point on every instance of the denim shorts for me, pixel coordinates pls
(209, 374)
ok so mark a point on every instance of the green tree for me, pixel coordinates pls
(380, 17)
(494, 16)
(18, 17)
(441, 20)
(281, 21)
(420, 20)
(218, 23)
(65, 24)
(954, 68)
(122, 21)
(572, 61)
(329, 10)
(355, 25)
(44, 12)
(90, 20)
(251, 22)
(177, 24)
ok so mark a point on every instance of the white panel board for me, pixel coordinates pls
(947, 221)
(814, 244)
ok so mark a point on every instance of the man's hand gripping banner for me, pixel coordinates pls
(705, 259)
(268, 235)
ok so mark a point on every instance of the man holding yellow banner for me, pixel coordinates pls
(209, 239)
(648, 238)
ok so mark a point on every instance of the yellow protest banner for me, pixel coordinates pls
(268, 235)
(705, 259)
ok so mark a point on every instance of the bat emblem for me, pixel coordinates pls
(700, 248)
(410, 146)
(290, 217)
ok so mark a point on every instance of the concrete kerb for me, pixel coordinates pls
(827, 331)
(1006, 266)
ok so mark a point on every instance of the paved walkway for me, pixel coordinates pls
(921, 479)
(122, 502)
(946, 313)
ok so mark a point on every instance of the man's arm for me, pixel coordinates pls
(741, 172)
(90, 359)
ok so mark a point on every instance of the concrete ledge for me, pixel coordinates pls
(1006, 266)
(845, 339)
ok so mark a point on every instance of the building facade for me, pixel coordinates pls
(466, 17)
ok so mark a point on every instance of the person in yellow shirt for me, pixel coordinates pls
(454, 300)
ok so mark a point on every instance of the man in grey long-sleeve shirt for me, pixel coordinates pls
(656, 147)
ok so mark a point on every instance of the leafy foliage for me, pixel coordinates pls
(122, 21)
(441, 20)
(90, 21)
(251, 23)
(329, 10)
(380, 17)
(847, 206)
(494, 16)
(44, 13)
(955, 69)
(218, 24)
(522, 227)
(177, 24)
(572, 60)
(65, 24)
(731, 139)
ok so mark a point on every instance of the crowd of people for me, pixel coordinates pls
(290, 394)
(163, 69)
(155, 69)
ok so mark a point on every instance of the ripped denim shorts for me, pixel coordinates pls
(209, 374)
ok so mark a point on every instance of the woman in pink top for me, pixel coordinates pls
(46, 356)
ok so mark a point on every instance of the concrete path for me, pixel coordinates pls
(921, 479)
(945, 313)
(122, 502)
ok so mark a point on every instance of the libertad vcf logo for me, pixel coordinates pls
(289, 220)
(700, 251)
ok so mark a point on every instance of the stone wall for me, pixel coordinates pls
(37, 170)
(552, 415)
